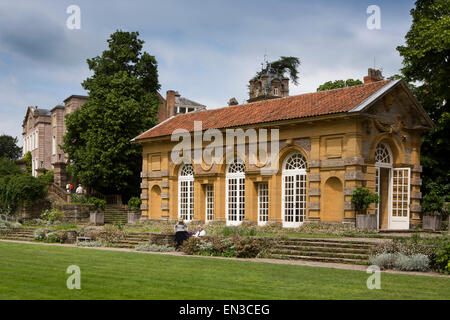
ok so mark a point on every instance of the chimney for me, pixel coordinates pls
(285, 87)
(170, 102)
(373, 75)
(233, 102)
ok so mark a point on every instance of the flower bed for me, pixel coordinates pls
(413, 253)
(236, 246)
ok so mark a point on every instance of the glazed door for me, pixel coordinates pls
(399, 218)
(294, 200)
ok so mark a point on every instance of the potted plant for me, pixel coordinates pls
(362, 198)
(134, 205)
(433, 208)
(98, 216)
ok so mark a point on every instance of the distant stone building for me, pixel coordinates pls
(176, 104)
(44, 129)
(268, 86)
(42, 135)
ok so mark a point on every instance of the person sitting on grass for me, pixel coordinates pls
(181, 233)
(200, 232)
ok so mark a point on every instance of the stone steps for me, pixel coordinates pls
(322, 250)
(325, 254)
(116, 215)
(319, 259)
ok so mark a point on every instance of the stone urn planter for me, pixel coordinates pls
(133, 217)
(431, 222)
(366, 221)
(97, 218)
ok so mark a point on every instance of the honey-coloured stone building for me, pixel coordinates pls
(329, 143)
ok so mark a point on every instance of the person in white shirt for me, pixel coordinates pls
(79, 189)
(200, 232)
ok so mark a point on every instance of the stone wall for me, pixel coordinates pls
(75, 212)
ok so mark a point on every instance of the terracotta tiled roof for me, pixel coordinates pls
(300, 106)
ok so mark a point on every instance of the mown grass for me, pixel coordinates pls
(39, 272)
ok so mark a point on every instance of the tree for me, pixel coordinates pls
(9, 148)
(18, 189)
(122, 104)
(8, 167)
(337, 84)
(281, 66)
(426, 59)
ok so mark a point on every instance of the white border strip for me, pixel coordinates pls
(374, 96)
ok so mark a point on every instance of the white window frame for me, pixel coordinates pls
(263, 203)
(297, 192)
(209, 203)
(186, 193)
(400, 198)
(235, 203)
(53, 145)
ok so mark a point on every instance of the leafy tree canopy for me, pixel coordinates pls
(122, 104)
(426, 59)
(337, 84)
(281, 66)
(18, 188)
(9, 148)
(8, 167)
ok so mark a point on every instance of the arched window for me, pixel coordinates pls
(235, 192)
(383, 154)
(383, 159)
(294, 190)
(186, 193)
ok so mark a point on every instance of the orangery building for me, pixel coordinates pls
(327, 144)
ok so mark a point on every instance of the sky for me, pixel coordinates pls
(206, 50)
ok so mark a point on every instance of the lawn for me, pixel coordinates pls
(38, 272)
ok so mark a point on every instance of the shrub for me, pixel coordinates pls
(8, 167)
(78, 198)
(52, 215)
(249, 247)
(18, 190)
(226, 247)
(134, 204)
(5, 224)
(90, 244)
(362, 198)
(417, 262)
(99, 204)
(442, 260)
(16, 225)
(383, 260)
(36, 222)
(39, 234)
(155, 248)
(191, 246)
(52, 237)
(47, 177)
(111, 234)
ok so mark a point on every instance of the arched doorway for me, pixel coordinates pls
(155, 202)
(393, 188)
(294, 190)
(186, 193)
(235, 192)
(333, 201)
